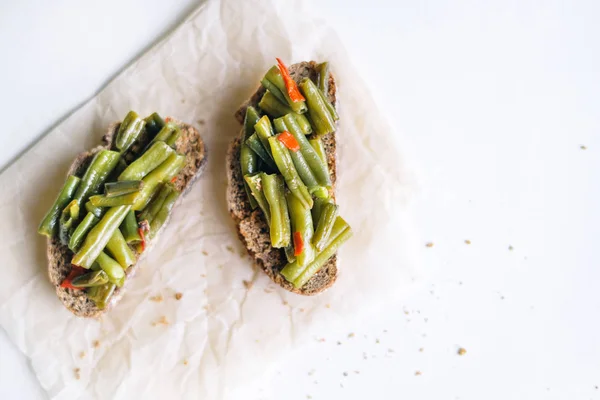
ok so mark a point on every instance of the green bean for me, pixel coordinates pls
(317, 208)
(49, 225)
(289, 253)
(302, 224)
(284, 162)
(317, 144)
(163, 214)
(274, 76)
(172, 140)
(95, 266)
(274, 90)
(292, 271)
(329, 106)
(327, 218)
(163, 173)
(154, 123)
(318, 167)
(120, 251)
(116, 273)
(97, 211)
(304, 170)
(67, 222)
(129, 228)
(101, 200)
(323, 70)
(94, 278)
(119, 188)
(150, 211)
(256, 188)
(254, 143)
(101, 166)
(275, 109)
(165, 133)
(119, 168)
(249, 164)
(264, 131)
(320, 116)
(101, 294)
(151, 159)
(129, 131)
(82, 229)
(321, 192)
(274, 191)
(98, 237)
(250, 119)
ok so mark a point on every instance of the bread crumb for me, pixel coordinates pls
(158, 298)
(220, 267)
(203, 275)
(96, 344)
(351, 335)
(467, 241)
(77, 373)
(201, 122)
(242, 253)
(339, 343)
(462, 351)
(308, 396)
(418, 373)
(302, 310)
(285, 303)
(429, 244)
(510, 248)
(327, 305)
(421, 349)
(205, 252)
(82, 354)
(311, 372)
(247, 285)
(268, 290)
(582, 147)
(178, 296)
(345, 373)
(377, 341)
(161, 321)
(406, 312)
(230, 249)
(185, 362)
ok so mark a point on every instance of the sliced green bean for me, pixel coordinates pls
(101, 200)
(323, 70)
(256, 188)
(321, 192)
(68, 221)
(129, 131)
(120, 251)
(163, 214)
(129, 228)
(97, 211)
(274, 191)
(329, 106)
(98, 237)
(82, 229)
(320, 116)
(284, 162)
(302, 224)
(289, 253)
(165, 133)
(249, 164)
(119, 188)
(250, 119)
(327, 218)
(275, 109)
(91, 279)
(317, 208)
(172, 140)
(49, 225)
(101, 166)
(163, 173)
(150, 211)
(254, 143)
(274, 76)
(274, 90)
(264, 131)
(116, 273)
(317, 144)
(154, 123)
(151, 159)
(101, 294)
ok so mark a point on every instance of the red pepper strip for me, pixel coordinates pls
(168, 119)
(174, 179)
(290, 84)
(75, 272)
(298, 243)
(143, 243)
(289, 141)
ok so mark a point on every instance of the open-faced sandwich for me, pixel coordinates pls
(113, 204)
(282, 174)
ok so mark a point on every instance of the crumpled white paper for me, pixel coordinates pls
(223, 332)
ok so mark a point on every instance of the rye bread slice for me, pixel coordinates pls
(59, 256)
(252, 228)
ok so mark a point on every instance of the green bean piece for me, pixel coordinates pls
(116, 273)
(321, 192)
(163, 214)
(67, 223)
(275, 109)
(317, 144)
(166, 133)
(317, 208)
(172, 140)
(254, 143)
(99, 235)
(274, 191)
(292, 271)
(151, 159)
(150, 211)
(249, 164)
(327, 218)
(129, 131)
(101, 294)
(284, 162)
(304, 171)
(121, 166)
(129, 228)
(320, 116)
(256, 188)
(318, 167)
(82, 229)
(119, 188)
(289, 253)
(302, 223)
(101, 200)
(94, 278)
(323, 70)
(100, 168)
(250, 119)
(274, 90)
(119, 250)
(154, 123)
(49, 225)
(329, 106)
(95, 266)
(97, 211)
(264, 131)
(274, 76)
(164, 173)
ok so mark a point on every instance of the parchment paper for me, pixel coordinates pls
(224, 332)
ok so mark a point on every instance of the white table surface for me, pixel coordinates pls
(492, 100)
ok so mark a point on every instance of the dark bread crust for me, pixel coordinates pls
(59, 256)
(252, 228)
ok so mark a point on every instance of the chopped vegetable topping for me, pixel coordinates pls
(290, 84)
(75, 272)
(289, 141)
(298, 243)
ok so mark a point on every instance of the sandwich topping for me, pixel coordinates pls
(285, 169)
(106, 215)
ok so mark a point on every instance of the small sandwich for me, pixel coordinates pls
(281, 173)
(115, 201)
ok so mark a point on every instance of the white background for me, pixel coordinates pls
(492, 102)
